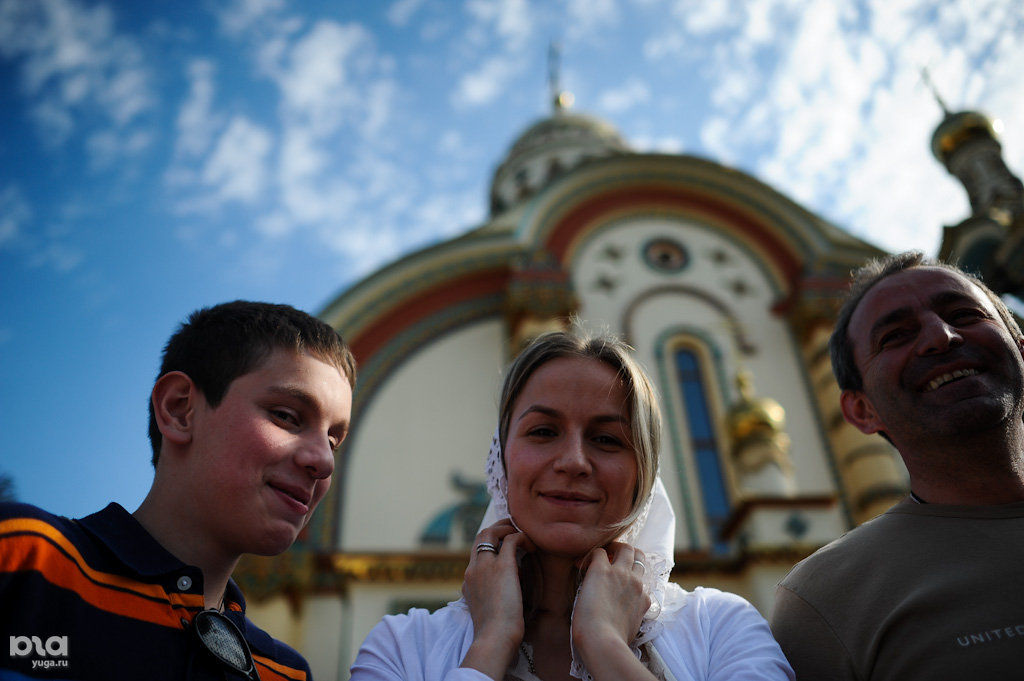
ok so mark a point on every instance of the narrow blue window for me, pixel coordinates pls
(705, 448)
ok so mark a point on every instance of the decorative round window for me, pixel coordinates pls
(666, 255)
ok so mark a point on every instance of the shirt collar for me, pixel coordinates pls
(130, 542)
(233, 596)
(136, 548)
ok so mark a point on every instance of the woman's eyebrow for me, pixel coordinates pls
(540, 409)
(548, 411)
(612, 418)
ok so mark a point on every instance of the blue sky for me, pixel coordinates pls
(164, 155)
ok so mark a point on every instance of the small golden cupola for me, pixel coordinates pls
(760, 445)
(990, 241)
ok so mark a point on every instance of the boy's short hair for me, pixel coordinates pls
(216, 345)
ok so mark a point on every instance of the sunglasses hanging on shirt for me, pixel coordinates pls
(224, 641)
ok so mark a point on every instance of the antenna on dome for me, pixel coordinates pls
(560, 99)
(926, 77)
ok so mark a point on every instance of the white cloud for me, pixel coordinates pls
(237, 167)
(302, 158)
(634, 92)
(450, 142)
(303, 170)
(57, 255)
(836, 116)
(443, 215)
(73, 65)
(664, 145)
(316, 82)
(492, 50)
(332, 76)
(54, 121)
(106, 147)
(401, 11)
(704, 17)
(483, 85)
(380, 101)
(239, 16)
(197, 122)
(585, 18)
(434, 29)
(508, 19)
(15, 212)
(39, 245)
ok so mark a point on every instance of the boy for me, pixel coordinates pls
(251, 401)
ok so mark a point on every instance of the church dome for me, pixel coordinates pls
(549, 148)
(957, 128)
(752, 418)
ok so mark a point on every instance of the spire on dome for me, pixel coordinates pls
(560, 99)
(552, 146)
(926, 77)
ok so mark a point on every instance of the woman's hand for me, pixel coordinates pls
(491, 588)
(611, 603)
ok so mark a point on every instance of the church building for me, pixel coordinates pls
(726, 289)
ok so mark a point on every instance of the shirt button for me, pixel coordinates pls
(184, 583)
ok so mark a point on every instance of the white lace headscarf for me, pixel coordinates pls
(653, 532)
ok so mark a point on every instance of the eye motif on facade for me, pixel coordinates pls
(665, 255)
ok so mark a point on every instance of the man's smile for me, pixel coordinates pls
(942, 380)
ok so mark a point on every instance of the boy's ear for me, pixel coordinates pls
(174, 403)
(859, 412)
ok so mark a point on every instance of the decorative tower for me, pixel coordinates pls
(539, 298)
(760, 445)
(991, 240)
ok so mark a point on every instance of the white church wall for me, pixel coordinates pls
(431, 418)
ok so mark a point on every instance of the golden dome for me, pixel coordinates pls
(550, 148)
(957, 128)
(754, 417)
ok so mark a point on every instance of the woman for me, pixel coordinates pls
(569, 577)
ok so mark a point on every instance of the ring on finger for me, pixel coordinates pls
(486, 546)
(641, 564)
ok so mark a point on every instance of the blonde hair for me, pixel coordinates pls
(644, 413)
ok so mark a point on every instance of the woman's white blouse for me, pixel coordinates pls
(715, 636)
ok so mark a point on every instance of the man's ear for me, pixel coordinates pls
(174, 405)
(859, 412)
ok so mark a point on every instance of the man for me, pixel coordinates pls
(933, 361)
(251, 401)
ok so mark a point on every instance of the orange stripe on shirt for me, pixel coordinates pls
(112, 593)
(280, 670)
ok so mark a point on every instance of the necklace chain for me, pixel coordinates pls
(529, 658)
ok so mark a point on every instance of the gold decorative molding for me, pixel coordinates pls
(400, 568)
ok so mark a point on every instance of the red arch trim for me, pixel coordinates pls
(407, 313)
(568, 227)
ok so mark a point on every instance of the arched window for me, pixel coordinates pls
(703, 441)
